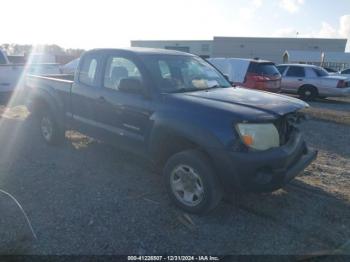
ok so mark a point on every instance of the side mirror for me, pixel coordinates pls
(131, 85)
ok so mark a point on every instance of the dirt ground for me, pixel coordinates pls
(87, 198)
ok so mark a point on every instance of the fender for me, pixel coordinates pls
(168, 125)
(48, 94)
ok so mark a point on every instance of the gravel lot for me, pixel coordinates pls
(88, 198)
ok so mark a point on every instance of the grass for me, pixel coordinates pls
(339, 117)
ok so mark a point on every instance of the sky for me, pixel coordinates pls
(113, 23)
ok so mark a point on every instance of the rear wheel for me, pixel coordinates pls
(191, 182)
(308, 93)
(49, 129)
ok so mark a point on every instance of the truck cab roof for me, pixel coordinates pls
(140, 51)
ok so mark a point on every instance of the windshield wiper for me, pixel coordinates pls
(182, 90)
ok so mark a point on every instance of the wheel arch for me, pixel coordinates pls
(43, 99)
(166, 142)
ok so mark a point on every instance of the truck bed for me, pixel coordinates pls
(59, 86)
(11, 75)
(58, 82)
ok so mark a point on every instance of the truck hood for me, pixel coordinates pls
(265, 102)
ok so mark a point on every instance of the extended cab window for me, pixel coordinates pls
(87, 73)
(119, 68)
(2, 59)
(296, 71)
(164, 69)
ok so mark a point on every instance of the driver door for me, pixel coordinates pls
(124, 116)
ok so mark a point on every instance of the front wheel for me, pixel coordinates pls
(308, 93)
(49, 129)
(191, 182)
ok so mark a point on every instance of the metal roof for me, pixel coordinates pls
(316, 56)
(303, 56)
(337, 57)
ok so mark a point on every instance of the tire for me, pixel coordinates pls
(197, 176)
(308, 93)
(49, 129)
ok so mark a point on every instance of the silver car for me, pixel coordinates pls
(345, 73)
(310, 82)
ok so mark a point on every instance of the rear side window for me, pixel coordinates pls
(320, 72)
(88, 71)
(296, 71)
(347, 71)
(267, 69)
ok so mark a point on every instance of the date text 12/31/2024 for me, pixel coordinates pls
(173, 258)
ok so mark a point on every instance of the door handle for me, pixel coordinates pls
(101, 99)
(120, 106)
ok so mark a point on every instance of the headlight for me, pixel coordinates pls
(259, 136)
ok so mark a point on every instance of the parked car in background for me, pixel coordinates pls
(330, 70)
(310, 82)
(42, 58)
(179, 112)
(10, 74)
(250, 73)
(70, 67)
(345, 73)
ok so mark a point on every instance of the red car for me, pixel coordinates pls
(250, 73)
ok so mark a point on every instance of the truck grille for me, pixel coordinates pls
(286, 124)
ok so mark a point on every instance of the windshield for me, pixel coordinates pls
(179, 73)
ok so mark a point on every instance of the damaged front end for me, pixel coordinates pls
(288, 124)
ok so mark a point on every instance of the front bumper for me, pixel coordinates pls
(263, 171)
(344, 92)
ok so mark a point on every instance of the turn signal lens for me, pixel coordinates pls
(248, 140)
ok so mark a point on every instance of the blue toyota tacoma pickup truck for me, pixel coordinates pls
(208, 137)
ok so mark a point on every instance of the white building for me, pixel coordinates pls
(268, 48)
(202, 48)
